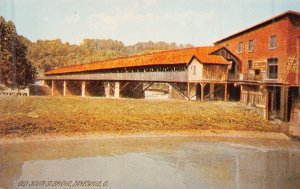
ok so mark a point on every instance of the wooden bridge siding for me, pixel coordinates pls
(215, 72)
(180, 76)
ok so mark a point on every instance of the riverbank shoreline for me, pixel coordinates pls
(202, 133)
(65, 118)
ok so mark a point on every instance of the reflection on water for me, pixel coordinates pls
(177, 162)
(131, 170)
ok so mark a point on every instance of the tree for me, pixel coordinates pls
(15, 70)
(48, 54)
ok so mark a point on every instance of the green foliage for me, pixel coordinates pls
(102, 44)
(15, 69)
(20, 58)
(48, 54)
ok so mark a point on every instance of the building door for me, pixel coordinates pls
(274, 102)
(233, 70)
(272, 68)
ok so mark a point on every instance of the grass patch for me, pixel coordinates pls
(23, 116)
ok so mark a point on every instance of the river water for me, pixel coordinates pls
(146, 163)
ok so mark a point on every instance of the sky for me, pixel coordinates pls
(196, 22)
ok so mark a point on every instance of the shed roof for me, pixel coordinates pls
(173, 57)
(261, 24)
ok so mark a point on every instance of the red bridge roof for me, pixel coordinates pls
(173, 57)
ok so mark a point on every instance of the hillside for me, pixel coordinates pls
(45, 55)
(48, 54)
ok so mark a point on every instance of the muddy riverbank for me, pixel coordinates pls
(156, 134)
(154, 162)
(34, 116)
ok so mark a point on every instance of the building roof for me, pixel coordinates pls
(261, 24)
(173, 57)
(211, 59)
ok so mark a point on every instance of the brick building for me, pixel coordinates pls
(268, 74)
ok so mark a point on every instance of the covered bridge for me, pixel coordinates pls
(186, 71)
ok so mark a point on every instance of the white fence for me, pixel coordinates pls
(15, 92)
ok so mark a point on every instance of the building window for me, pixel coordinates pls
(257, 72)
(273, 68)
(273, 42)
(250, 64)
(240, 47)
(194, 70)
(250, 46)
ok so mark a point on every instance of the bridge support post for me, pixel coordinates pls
(202, 91)
(52, 87)
(170, 91)
(284, 103)
(266, 113)
(107, 89)
(188, 92)
(83, 87)
(225, 93)
(117, 89)
(64, 88)
(212, 91)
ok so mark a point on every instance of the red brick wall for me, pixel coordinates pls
(294, 33)
(286, 33)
